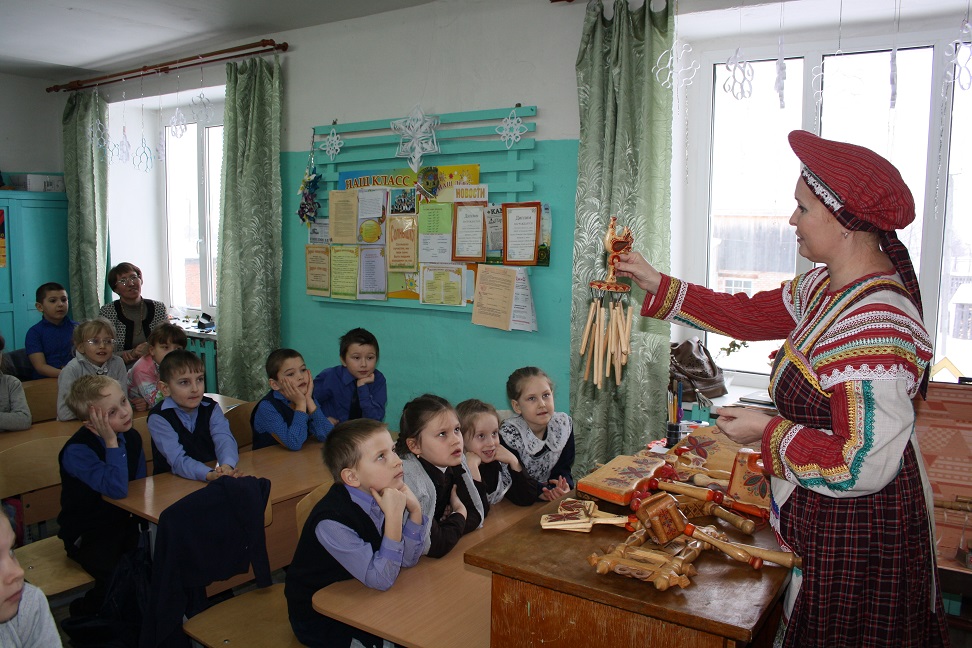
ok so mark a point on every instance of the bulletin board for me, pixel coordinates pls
(349, 156)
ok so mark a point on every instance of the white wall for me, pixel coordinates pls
(30, 130)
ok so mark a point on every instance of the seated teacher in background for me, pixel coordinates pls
(132, 316)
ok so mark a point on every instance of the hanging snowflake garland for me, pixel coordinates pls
(511, 130)
(202, 108)
(418, 136)
(178, 123)
(142, 158)
(740, 81)
(331, 145)
(124, 147)
(671, 69)
(780, 74)
(958, 55)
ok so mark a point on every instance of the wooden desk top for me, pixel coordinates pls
(48, 429)
(726, 598)
(413, 611)
(291, 474)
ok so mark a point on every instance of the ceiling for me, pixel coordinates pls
(61, 40)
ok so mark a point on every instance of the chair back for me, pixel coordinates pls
(307, 504)
(41, 399)
(30, 466)
(239, 422)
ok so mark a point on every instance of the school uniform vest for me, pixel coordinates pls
(198, 445)
(263, 439)
(313, 567)
(82, 507)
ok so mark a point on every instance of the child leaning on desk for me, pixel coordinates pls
(430, 444)
(99, 459)
(188, 428)
(289, 414)
(491, 463)
(342, 538)
(354, 388)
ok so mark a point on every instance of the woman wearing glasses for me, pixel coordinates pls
(132, 316)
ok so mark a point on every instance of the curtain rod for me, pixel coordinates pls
(260, 47)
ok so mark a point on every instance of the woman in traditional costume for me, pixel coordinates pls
(849, 491)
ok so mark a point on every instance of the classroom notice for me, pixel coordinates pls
(402, 234)
(344, 271)
(442, 284)
(435, 233)
(318, 260)
(493, 305)
(372, 277)
(343, 216)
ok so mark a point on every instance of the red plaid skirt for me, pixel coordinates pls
(867, 566)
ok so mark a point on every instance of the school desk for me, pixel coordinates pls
(440, 602)
(545, 592)
(44, 504)
(292, 475)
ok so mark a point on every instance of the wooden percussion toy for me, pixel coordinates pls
(578, 515)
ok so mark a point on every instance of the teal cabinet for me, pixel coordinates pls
(35, 240)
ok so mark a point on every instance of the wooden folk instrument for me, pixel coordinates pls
(706, 495)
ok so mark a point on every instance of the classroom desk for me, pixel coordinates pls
(440, 602)
(545, 592)
(292, 475)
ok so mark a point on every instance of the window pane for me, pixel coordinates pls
(856, 109)
(182, 215)
(954, 339)
(214, 169)
(752, 247)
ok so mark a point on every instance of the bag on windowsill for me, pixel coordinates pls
(701, 377)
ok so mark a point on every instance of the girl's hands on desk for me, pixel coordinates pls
(742, 424)
(557, 489)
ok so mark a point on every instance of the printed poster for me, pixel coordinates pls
(372, 212)
(402, 233)
(435, 233)
(403, 285)
(426, 183)
(318, 259)
(442, 283)
(493, 305)
(343, 216)
(344, 271)
(372, 277)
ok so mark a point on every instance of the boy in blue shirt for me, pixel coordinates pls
(48, 343)
(354, 389)
(188, 428)
(368, 526)
(100, 459)
(288, 414)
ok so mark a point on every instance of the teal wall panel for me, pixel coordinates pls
(424, 350)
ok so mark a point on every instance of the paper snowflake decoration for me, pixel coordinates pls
(418, 136)
(142, 158)
(160, 149)
(331, 145)
(202, 108)
(124, 147)
(817, 84)
(740, 81)
(958, 55)
(671, 70)
(178, 123)
(511, 129)
(780, 74)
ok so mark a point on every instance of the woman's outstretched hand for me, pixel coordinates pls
(635, 267)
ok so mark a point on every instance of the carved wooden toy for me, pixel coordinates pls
(578, 515)
(618, 480)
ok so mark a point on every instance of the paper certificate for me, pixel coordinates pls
(343, 216)
(372, 211)
(435, 233)
(521, 233)
(402, 243)
(344, 271)
(493, 305)
(468, 233)
(372, 277)
(442, 284)
(318, 260)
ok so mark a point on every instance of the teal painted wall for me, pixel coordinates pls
(424, 350)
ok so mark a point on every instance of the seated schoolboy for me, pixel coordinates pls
(289, 414)
(143, 377)
(99, 459)
(25, 616)
(49, 343)
(354, 388)
(188, 428)
(368, 526)
(14, 411)
(94, 343)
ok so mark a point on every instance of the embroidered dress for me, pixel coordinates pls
(848, 493)
(541, 458)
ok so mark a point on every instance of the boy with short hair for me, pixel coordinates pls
(143, 377)
(25, 616)
(342, 538)
(188, 428)
(98, 460)
(289, 413)
(355, 388)
(49, 343)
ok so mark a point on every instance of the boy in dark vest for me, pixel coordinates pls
(100, 459)
(289, 414)
(188, 428)
(368, 526)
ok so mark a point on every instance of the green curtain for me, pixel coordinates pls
(250, 237)
(624, 170)
(86, 184)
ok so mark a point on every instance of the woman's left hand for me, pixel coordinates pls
(741, 424)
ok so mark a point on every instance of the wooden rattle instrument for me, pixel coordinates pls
(578, 515)
(704, 494)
